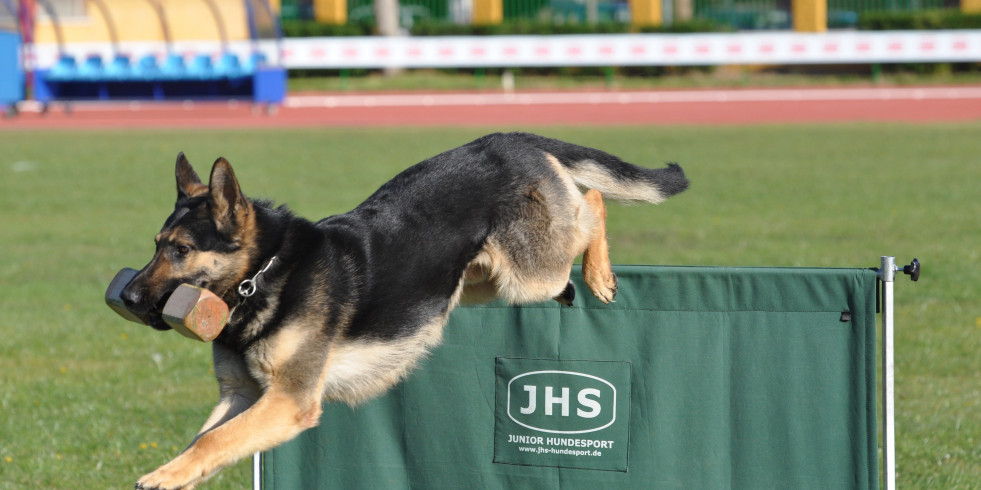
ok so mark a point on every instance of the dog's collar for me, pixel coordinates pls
(248, 287)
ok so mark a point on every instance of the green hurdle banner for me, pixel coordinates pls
(697, 377)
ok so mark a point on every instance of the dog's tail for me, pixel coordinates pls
(616, 179)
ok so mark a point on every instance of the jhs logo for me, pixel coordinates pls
(587, 397)
(562, 402)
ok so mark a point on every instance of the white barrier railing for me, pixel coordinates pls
(767, 48)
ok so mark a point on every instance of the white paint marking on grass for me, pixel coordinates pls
(634, 97)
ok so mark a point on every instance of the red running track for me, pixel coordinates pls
(669, 107)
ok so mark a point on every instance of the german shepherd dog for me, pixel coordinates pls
(342, 309)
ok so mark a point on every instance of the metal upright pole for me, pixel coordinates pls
(29, 60)
(257, 471)
(887, 274)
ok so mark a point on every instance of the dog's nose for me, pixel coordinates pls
(131, 296)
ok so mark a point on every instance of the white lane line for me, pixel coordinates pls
(630, 97)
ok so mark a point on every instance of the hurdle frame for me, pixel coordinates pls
(886, 274)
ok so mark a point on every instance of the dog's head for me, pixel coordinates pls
(207, 241)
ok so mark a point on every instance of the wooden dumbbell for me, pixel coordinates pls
(114, 296)
(195, 312)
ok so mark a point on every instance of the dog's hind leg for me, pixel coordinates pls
(596, 268)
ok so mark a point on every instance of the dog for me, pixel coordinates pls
(342, 309)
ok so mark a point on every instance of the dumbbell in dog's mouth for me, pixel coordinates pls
(150, 312)
(155, 315)
(137, 299)
(186, 306)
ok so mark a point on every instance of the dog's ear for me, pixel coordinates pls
(229, 207)
(188, 183)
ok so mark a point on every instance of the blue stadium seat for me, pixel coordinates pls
(173, 66)
(147, 68)
(92, 68)
(65, 68)
(228, 66)
(119, 68)
(256, 60)
(200, 67)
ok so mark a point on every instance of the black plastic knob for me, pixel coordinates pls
(912, 270)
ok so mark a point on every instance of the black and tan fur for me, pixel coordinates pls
(351, 302)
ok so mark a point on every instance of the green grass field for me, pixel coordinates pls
(91, 401)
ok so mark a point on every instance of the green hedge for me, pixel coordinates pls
(536, 27)
(868, 21)
(311, 28)
(690, 26)
(918, 20)
(515, 27)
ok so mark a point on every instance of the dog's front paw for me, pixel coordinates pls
(167, 477)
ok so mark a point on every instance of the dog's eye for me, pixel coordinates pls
(183, 250)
